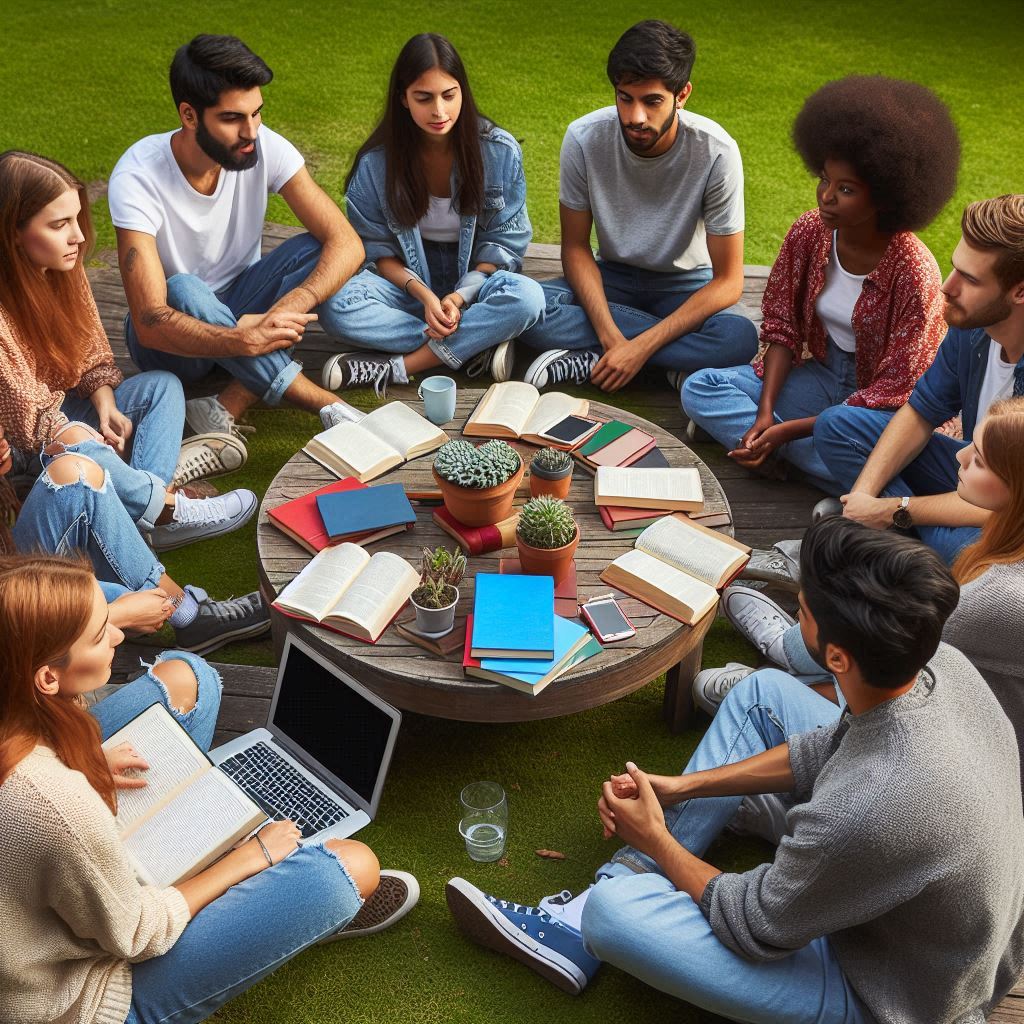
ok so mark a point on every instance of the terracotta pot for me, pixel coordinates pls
(480, 506)
(435, 622)
(556, 484)
(547, 561)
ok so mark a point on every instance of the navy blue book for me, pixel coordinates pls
(513, 616)
(365, 509)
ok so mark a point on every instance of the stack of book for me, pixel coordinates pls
(618, 444)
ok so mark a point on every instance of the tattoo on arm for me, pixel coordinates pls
(129, 259)
(158, 315)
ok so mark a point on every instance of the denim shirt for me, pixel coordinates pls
(499, 235)
(952, 384)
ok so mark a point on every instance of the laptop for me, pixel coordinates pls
(323, 757)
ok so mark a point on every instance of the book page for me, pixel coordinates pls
(675, 484)
(320, 584)
(551, 409)
(359, 448)
(691, 550)
(173, 760)
(403, 428)
(693, 593)
(377, 592)
(509, 405)
(207, 815)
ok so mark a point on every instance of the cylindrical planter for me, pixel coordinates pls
(435, 622)
(480, 506)
(544, 481)
(547, 561)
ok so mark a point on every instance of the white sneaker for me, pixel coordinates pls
(711, 686)
(676, 379)
(762, 815)
(206, 455)
(757, 617)
(208, 416)
(339, 412)
(560, 366)
(201, 518)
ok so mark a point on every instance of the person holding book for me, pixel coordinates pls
(438, 197)
(664, 189)
(188, 206)
(852, 307)
(83, 939)
(922, 747)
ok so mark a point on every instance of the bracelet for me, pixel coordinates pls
(266, 852)
(408, 281)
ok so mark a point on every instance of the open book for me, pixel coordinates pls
(675, 489)
(386, 437)
(517, 409)
(189, 813)
(678, 566)
(346, 590)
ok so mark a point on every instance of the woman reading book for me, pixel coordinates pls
(852, 307)
(83, 939)
(438, 196)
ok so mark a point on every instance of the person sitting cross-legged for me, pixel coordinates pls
(897, 890)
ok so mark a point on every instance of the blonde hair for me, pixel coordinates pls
(997, 225)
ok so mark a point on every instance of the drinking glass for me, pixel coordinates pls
(484, 820)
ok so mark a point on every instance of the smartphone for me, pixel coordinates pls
(607, 620)
(570, 431)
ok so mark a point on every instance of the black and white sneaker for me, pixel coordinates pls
(561, 366)
(358, 370)
(219, 622)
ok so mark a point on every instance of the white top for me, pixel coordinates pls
(836, 300)
(998, 380)
(440, 223)
(213, 237)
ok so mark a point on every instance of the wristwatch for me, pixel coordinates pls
(901, 518)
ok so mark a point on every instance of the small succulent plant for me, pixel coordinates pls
(546, 522)
(462, 463)
(551, 460)
(440, 573)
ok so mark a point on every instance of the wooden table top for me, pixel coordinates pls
(412, 678)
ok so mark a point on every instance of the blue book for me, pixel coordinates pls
(513, 616)
(568, 635)
(364, 510)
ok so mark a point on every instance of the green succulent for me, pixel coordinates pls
(441, 571)
(551, 460)
(546, 522)
(461, 463)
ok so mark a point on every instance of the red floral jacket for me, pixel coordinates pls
(897, 320)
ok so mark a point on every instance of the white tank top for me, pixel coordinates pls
(440, 223)
(835, 303)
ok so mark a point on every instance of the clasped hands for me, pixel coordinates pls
(442, 315)
(763, 437)
(632, 807)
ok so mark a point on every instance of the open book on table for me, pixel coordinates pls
(517, 409)
(678, 567)
(386, 437)
(347, 590)
(189, 813)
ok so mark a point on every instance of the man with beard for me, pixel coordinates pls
(664, 189)
(897, 469)
(189, 206)
(897, 889)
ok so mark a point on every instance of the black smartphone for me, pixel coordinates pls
(570, 431)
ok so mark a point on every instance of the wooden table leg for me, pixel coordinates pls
(677, 709)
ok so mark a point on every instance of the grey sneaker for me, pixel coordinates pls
(199, 519)
(711, 685)
(220, 622)
(498, 360)
(676, 379)
(339, 412)
(207, 455)
(358, 370)
(771, 566)
(395, 897)
(208, 416)
(561, 366)
(697, 435)
(763, 815)
(826, 508)
(758, 618)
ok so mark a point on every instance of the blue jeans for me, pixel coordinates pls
(846, 436)
(636, 919)
(257, 925)
(155, 403)
(255, 290)
(372, 313)
(724, 403)
(639, 299)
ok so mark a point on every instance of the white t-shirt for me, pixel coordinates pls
(440, 223)
(213, 237)
(836, 300)
(998, 380)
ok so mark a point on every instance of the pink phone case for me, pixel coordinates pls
(593, 626)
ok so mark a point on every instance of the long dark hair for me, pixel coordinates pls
(397, 132)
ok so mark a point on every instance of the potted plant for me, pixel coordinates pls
(478, 484)
(550, 473)
(438, 592)
(546, 537)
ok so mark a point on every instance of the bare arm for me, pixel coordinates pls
(580, 269)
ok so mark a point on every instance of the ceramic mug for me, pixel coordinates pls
(438, 394)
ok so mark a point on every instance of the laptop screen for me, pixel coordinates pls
(332, 722)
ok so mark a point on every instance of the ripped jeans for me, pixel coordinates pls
(258, 924)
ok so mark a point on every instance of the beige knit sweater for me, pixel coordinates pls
(73, 915)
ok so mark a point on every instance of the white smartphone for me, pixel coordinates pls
(607, 619)
(570, 431)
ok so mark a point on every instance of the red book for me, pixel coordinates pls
(618, 517)
(567, 602)
(477, 540)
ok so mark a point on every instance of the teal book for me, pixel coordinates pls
(568, 636)
(513, 616)
(364, 510)
(611, 431)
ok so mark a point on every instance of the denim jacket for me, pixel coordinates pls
(499, 235)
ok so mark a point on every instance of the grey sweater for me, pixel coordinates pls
(906, 849)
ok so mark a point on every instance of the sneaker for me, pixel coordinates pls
(206, 455)
(395, 897)
(758, 618)
(676, 379)
(498, 361)
(771, 566)
(762, 815)
(356, 370)
(560, 366)
(199, 520)
(208, 416)
(826, 508)
(339, 412)
(566, 907)
(219, 622)
(697, 435)
(711, 685)
(526, 934)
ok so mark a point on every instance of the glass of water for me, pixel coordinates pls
(484, 820)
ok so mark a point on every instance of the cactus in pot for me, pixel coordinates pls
(546, 536)
(478, 484)
(434, 599)
(550, 473)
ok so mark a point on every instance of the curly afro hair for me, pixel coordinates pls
(898, 136)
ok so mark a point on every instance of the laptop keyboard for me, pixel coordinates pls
(274, 783)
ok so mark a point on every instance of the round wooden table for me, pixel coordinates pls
(412, 679)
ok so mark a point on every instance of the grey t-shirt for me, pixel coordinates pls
(653, 212)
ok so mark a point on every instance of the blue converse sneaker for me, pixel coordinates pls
(526, 934)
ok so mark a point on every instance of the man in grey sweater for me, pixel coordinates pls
(897, 892)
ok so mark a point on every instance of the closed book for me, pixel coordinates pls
(567, 600)
(442, 646)
(654, 458)
(369, 508)
(624, 450)
(513, 616)
(300, 517)
(612, 430)
(618, 517)
(478, 540)
(675, 489)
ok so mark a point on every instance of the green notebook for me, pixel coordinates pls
(611, 431)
